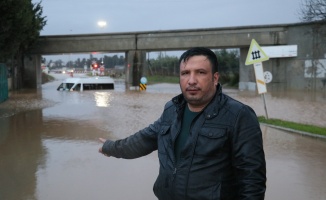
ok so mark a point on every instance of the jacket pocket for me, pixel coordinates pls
(211, 141)
(164, 146)
(163, 139)
(162, 187)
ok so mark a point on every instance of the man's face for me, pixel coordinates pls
(198, 84)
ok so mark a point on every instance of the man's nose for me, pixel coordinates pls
(192, 79)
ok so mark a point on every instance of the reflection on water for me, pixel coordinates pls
(20, 155)
(48, 148)
(295, 165)
(293, 107)
(102, 99)
(76, 171)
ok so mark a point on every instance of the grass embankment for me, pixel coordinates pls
(162, 79)
(295, 126)
(47, 78)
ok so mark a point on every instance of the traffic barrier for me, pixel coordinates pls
(142, 87)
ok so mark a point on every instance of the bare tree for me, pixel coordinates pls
(313, 10)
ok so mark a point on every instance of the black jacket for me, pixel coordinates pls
(223, 158)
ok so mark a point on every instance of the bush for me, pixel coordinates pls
(46, 78)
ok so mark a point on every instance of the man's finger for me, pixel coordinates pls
(102, 140)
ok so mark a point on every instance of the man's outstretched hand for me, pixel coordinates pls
(102, 140)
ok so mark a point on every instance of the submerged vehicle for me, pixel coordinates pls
(86, 83)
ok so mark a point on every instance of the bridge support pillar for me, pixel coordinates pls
(135, 67)
(247, 80)
(32, 72)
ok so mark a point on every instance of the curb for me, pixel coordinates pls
(296, 131)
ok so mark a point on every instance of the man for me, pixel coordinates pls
(209, 145)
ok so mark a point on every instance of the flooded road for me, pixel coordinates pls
(49, 145)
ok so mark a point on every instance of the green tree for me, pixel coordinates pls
(228, 66)
(20, 24)
(313, 10)
(164, 65)
(112, 61)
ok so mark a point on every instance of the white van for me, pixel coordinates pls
(87, 83)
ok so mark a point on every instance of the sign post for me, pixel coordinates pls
(256, 56)
(142, 85)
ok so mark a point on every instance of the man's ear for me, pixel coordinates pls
(216, 77)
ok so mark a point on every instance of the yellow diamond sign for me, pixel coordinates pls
(255, 54)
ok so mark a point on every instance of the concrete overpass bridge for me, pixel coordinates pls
(292, 73)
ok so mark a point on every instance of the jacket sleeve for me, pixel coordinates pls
(248, 156)
(137, 145)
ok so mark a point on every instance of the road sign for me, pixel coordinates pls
(281, 51)
(142, 85)
(268, 77)
(260, 80)
(143, 80)
(255, 54)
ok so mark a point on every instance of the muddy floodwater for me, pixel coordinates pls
(49, 144)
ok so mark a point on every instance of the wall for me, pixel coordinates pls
(305, 72)
(32, 72)
(3, 83)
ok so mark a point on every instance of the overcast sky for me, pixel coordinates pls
(81, 16)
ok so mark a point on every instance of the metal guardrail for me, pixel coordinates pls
(3, 83)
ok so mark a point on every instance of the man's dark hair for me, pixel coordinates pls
(201, 51)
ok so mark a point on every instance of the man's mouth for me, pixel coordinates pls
(192, 89)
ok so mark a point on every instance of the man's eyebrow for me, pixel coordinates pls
(183, 70)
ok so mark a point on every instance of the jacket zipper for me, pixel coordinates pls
(175, 164)
(174, 173)
(174, 160)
